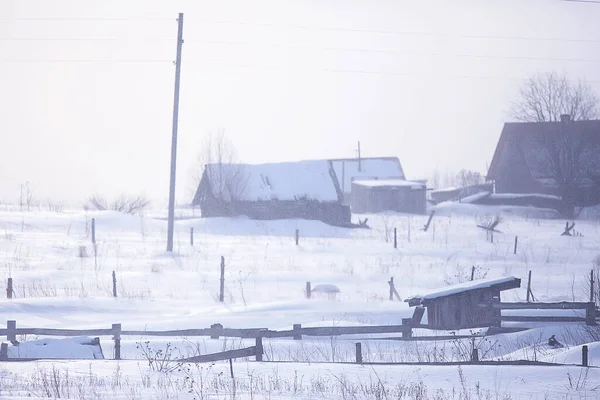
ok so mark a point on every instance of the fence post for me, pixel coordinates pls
(4, 352)
(475, 356)
(590, 311)
(9, 289)
(94, 230)
(407, 328)
(516, 244)
(308, 290)
(473, 272)
(391, 282)
(395, 239)
(359, 359)
(215, 331)
(592, 286)
(297, 236)
(584, 356)
(222, 288)
(529, 287)
(297, 332)
(11, 334)
(192, 236)
(259, 348)
(114, 279)
(116, 329)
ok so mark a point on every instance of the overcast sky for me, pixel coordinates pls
(86, 89)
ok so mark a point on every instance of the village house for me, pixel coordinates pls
(287, 190)
(324, 190)
(527, 153)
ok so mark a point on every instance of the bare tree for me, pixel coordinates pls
(469, 178)
(124, 204)
(564, 155)
(218, 159)
(545, 97)
(554, 98)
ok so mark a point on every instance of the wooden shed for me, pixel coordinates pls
(465, 305)
(379, 195)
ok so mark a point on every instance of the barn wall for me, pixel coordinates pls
(367, 199)
(330, 213)
(462, 310)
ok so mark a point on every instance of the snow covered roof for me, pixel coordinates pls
(311, 180)
(389, 183)
(500, 283)
(370, 168)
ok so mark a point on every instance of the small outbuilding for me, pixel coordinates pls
(465, 305)
(379, 195)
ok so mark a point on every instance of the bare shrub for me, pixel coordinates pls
(123, 203)
(160, 360)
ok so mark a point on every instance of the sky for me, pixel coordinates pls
(86, 88)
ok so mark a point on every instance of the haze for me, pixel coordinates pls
(86, 89)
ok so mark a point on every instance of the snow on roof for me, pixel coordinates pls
(474, 198)
(389, 183)
(370, 168)
(523, 195)
(274, 181)
(463, 287)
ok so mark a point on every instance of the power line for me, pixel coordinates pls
(396, 52)
(366, 72)
(81, 61)
(91, 39)
(17, 18)
(412, 33)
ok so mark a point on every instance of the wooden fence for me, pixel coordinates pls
(589, 307)
(217, 330)
(257, 351)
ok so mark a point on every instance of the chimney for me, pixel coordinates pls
(565, 118)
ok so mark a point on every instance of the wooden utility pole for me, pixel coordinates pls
(171, 223)
(359, 163)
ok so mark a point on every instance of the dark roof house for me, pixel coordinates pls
(523, 160)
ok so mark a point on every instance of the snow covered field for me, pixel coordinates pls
(265, 278)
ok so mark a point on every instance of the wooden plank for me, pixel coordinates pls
(63, 332)
(522, 318)
(225, 355)
(565, 305)
(352, 330)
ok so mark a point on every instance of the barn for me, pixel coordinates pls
(379, 195)
(463, 305)
(287, 190)
(523, 161)
(348, 170)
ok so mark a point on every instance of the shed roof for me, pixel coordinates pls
(529, 140)
(499, 284)
(391, 183)
(347, 169)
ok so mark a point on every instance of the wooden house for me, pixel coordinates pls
(378, 195)
(524, 163)
(287, 190)
(465, 305)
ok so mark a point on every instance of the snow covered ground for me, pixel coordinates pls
(265, 277)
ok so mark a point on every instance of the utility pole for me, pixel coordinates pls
(359, 166)
(171, 223)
